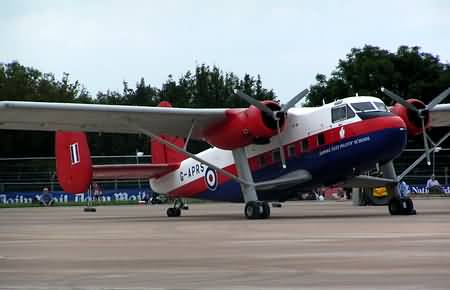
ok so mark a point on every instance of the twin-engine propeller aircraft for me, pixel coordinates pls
(262, 153)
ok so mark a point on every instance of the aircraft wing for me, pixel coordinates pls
(107, 118)
(367, 181)
(440, 116)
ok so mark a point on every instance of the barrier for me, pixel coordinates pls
(421, 189)
(131, 194)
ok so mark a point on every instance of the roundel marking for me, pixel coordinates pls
(211, 178)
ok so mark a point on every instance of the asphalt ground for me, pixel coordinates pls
(304, 245)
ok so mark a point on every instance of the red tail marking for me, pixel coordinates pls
(163, 154)
(73, 161)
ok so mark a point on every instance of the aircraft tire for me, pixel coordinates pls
(173, 212)
(266, 210)
(401, 207)
(394, 206)
(257, 210)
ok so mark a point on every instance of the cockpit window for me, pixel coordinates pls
(341, 113)
(380, 106)
(363, 106)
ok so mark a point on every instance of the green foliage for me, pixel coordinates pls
(20, 83)
(408, 72)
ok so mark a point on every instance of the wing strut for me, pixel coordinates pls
(193, 156)
(412, 166)
(189, 136)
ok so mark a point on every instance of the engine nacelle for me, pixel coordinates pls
(412, 119)
(245, 127)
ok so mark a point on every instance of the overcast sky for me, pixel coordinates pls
(102, 43)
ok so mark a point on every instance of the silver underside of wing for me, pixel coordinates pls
(107, 118)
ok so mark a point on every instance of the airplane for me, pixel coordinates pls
(259, 154)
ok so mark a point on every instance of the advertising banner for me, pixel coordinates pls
(63, 197)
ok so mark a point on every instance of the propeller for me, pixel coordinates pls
(275, 115)
(421, 113)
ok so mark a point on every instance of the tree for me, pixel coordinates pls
(408, 72)
(20, 83)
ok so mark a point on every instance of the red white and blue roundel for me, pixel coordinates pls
(211, 178)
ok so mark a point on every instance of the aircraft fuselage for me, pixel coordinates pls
(333, 142)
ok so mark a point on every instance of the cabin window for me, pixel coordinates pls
(341, 113)
(321, 139)
(304, 145)
(381, 107)
(291, 150)
(263, 161)
(363, 106)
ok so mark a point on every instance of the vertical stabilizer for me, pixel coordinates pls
(73, 161)
(163, 154)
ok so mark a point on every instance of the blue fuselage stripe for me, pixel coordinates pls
(327, 164)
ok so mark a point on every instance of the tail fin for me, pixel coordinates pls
(163, 154)
(73, 161)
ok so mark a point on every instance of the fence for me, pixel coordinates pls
(32, 174)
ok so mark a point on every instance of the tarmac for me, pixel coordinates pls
(304, 245)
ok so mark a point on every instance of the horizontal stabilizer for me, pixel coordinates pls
(132, 171)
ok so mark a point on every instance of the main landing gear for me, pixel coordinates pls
(403, 206)
(257, 210)
(178, 205)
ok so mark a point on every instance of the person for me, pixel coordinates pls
(97, 191)
(46, 198)
(403, 189)
(348, 192)
(433, 185)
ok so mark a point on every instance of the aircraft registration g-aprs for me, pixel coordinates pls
(266, 152)
(192, 172)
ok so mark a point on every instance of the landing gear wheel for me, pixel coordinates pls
(257, 210)
(173, 212)
(404, 206)
(266, 210)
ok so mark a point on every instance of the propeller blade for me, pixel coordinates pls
(294, 100)
(253, 102)
(438, 99)
(399, 99)
(425, 142)
(280, 142)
